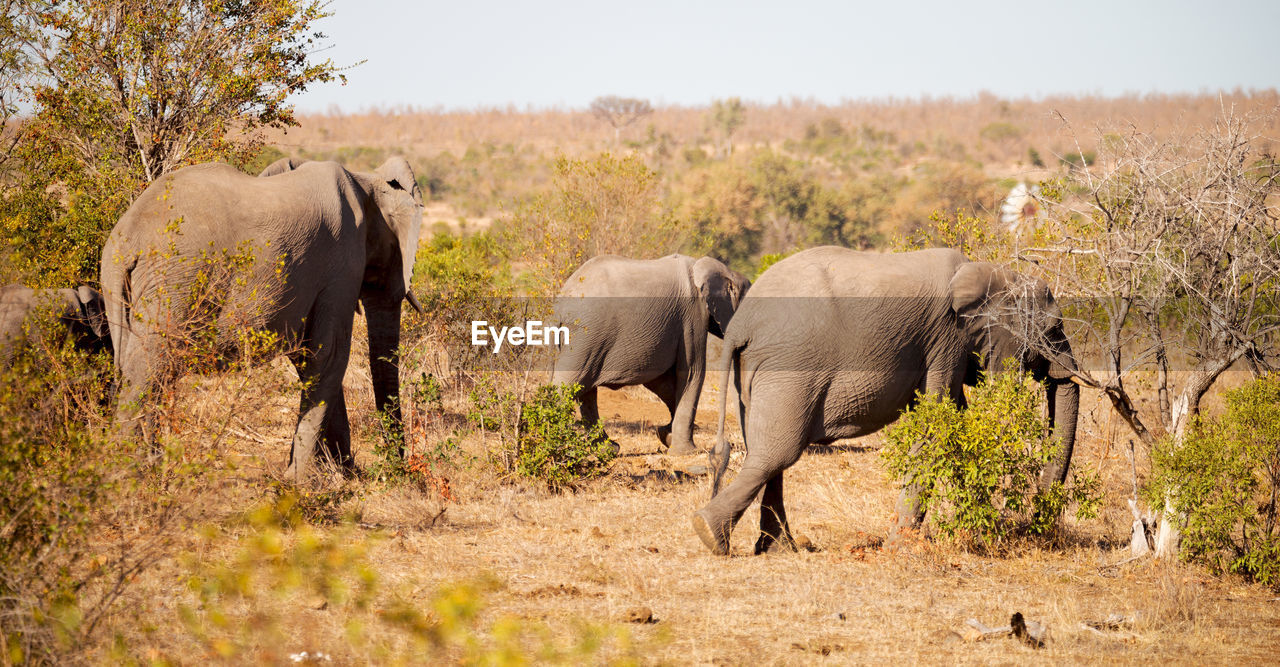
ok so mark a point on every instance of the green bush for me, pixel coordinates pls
(1079, 160)
(978, 467)
(1224, 480)
(769, 260)
(554, 446)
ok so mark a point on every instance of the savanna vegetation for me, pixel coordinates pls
(509, 532)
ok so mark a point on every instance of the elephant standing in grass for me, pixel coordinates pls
(833, 343)
(319, 240)
(646, 322)
(81, 310)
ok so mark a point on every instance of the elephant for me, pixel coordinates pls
(634, 321)
(834, 343)
(323, 240)
(81, 310)
(283, 165)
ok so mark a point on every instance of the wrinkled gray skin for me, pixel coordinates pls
(634, 321)
(80, 310)
(845, 359)
(340, 238)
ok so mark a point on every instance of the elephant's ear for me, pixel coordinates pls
(972, 284)
(717, 290)
(93, 310)
(398, 174)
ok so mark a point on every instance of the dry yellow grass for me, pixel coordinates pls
(623, 542)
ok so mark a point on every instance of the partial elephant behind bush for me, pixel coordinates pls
(80, 310)
(207, 257)
(646, 322)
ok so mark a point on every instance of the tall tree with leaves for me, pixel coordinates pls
(123, 91)
(726, 117)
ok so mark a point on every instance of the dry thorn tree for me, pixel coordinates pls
(620, 112)
(1166, 256)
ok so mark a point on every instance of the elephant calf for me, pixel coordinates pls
(646, 322)
(833, 343)
(80, 310)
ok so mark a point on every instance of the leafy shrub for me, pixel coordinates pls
(978, 467)
(601, 205)
(554, 445)
(1079, 160)
(1000, 131)
(767, 261)
(970, 235)
(1224, 480)
(404, 456)
(1033, 156)
(460, 279)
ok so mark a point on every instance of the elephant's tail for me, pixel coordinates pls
(719, 456)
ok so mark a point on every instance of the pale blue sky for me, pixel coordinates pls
(465, 54)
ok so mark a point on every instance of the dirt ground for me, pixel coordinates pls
(596, 555)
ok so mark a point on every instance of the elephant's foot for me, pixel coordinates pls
(611, 443)
(767, 543)
(675, 447)
(716, 539)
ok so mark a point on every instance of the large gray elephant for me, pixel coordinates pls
(80, 310)
(323, 239)
(634, 321)
(834, 343)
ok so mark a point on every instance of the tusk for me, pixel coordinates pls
(1076, 379)
(413, 301)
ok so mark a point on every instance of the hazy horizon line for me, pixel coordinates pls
(794, 101)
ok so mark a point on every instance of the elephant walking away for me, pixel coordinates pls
(634, 321)
(81, 310)
(323, 239)
(833, 343)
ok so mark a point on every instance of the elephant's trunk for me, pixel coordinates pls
(1064, 408)
(383, 317)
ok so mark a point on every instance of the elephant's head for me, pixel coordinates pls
(1008, 316)
(721, 289)
(84, 313)
(394, 219)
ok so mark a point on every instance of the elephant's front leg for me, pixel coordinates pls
(910, 509)
(337, 434)
(590, 410)
(306, 436)
(775, 532)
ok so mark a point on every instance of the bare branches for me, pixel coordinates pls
(619, 112)
(1169, 255)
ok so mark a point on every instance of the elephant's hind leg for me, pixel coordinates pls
(775, 532)
(322, 409)
(773, 445)
(664, 387)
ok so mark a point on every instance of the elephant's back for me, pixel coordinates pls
(609, 276)
(841, 272)
(218, 203)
